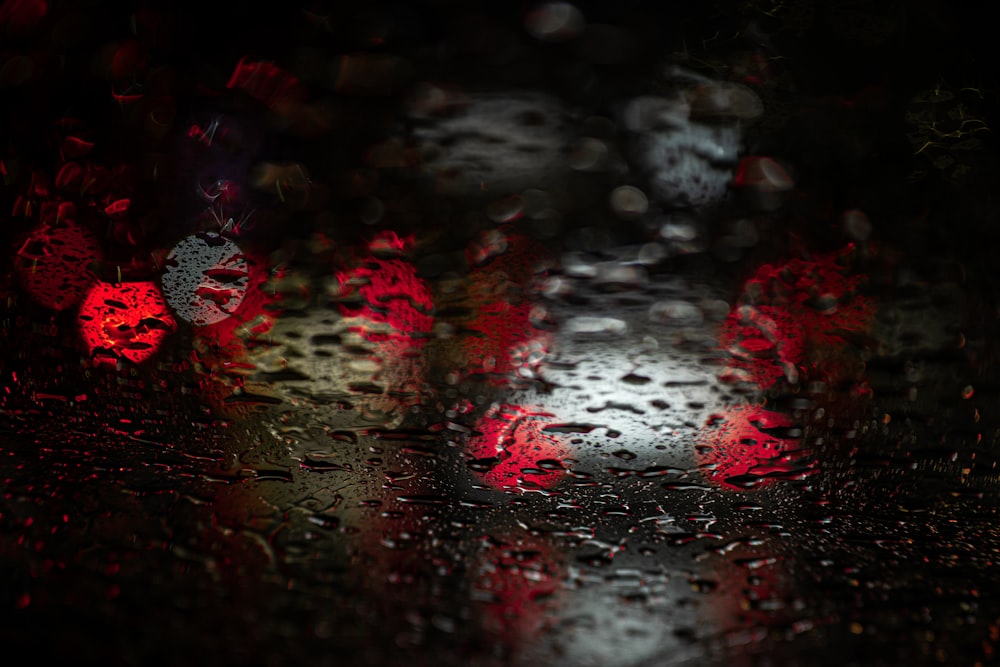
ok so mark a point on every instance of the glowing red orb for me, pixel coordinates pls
(124, 321)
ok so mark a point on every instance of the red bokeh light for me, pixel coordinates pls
(796, 317)
(53, 263)
(125, 321)
(267, 83)
(392, 309)
(22, 14)
(388, 299)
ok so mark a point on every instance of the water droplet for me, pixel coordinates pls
(677, 313)
(628, 202)
(587, 326)
(589, 154)
(619, 276)
(764, 182)
(856, 225)
(554, 22)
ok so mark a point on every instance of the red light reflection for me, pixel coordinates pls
(518, 578)
(748, 447)
(501, 336)
(752, 587)
(511, 449)
(391, 308)
(795, 319)
(222, 350)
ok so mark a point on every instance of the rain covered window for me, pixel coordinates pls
(500, 334)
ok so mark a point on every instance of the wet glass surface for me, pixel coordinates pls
(448, 333)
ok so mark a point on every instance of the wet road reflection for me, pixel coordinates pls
(577, 335)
